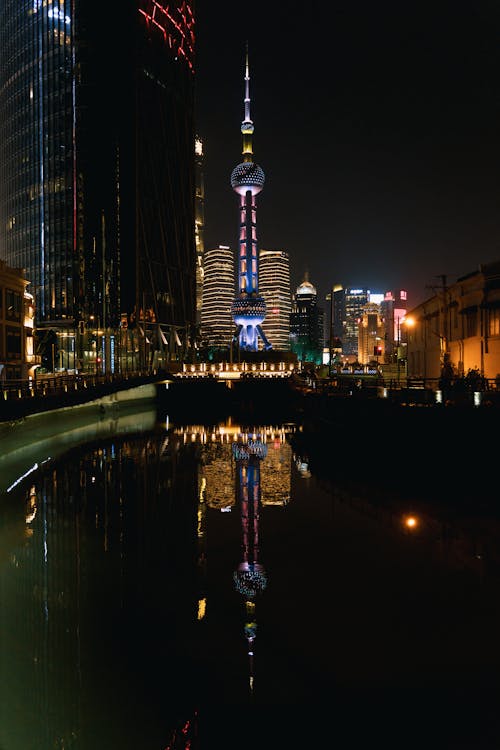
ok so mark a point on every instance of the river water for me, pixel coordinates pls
(178, 585)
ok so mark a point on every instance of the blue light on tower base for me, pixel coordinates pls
(248, 314)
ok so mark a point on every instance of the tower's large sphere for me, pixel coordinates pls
(250, 579)
(247, 176)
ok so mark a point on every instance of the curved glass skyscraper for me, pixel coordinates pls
(37, 158)
(97, 174)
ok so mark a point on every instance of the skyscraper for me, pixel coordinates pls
(355, 300)
(394, 307)
(97, 171)
(218, 295)
(247, 179)
(199, 224)
(306, 324)
(274, 284)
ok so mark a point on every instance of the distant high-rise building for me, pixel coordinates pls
(371, 335)
(393, 307)
(247, 179)
(97, 178)
(336, 319)
(199, 227)
(274, 284)
(306, 324)
(218, 294)
(355, 300)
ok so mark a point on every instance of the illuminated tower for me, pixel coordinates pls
(247, 179)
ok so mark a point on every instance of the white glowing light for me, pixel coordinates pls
(58, 15)
(20, 479)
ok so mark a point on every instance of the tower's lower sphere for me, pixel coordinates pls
(248, 310)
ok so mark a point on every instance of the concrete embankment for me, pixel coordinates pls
(30, 441)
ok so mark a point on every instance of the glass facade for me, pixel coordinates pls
(36, 150)
(97, 174)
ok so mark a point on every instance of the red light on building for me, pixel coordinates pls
(176, 24)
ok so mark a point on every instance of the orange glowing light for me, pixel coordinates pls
(411, 522)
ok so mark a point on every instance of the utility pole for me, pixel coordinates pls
(329, 298)
(444, 327)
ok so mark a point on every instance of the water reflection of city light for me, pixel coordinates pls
(302, 464)
(217, 458)
(31, 506)
(410, 522)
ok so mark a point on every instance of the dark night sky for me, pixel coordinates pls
(377, 126)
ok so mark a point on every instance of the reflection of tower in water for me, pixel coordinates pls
(250, 577)
(255, 467)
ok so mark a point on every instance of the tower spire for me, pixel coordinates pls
(247, 124)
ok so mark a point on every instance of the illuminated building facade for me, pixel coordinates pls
(457, 328)
(371, 335)
(247, 179)
(97, 172)
(199, 226)
(218, 295)
(17, 355)
(355, 301)
(393, 308)
(274, 283)
(306, 324)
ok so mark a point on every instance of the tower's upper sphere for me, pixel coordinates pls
(247, 176)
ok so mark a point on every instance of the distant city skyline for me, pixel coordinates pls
(378, 131)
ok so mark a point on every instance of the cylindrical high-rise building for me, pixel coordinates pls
(274, 282)
(247, 179)
(218, 295)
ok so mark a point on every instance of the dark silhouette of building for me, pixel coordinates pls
(97, 173)
(199, 225)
